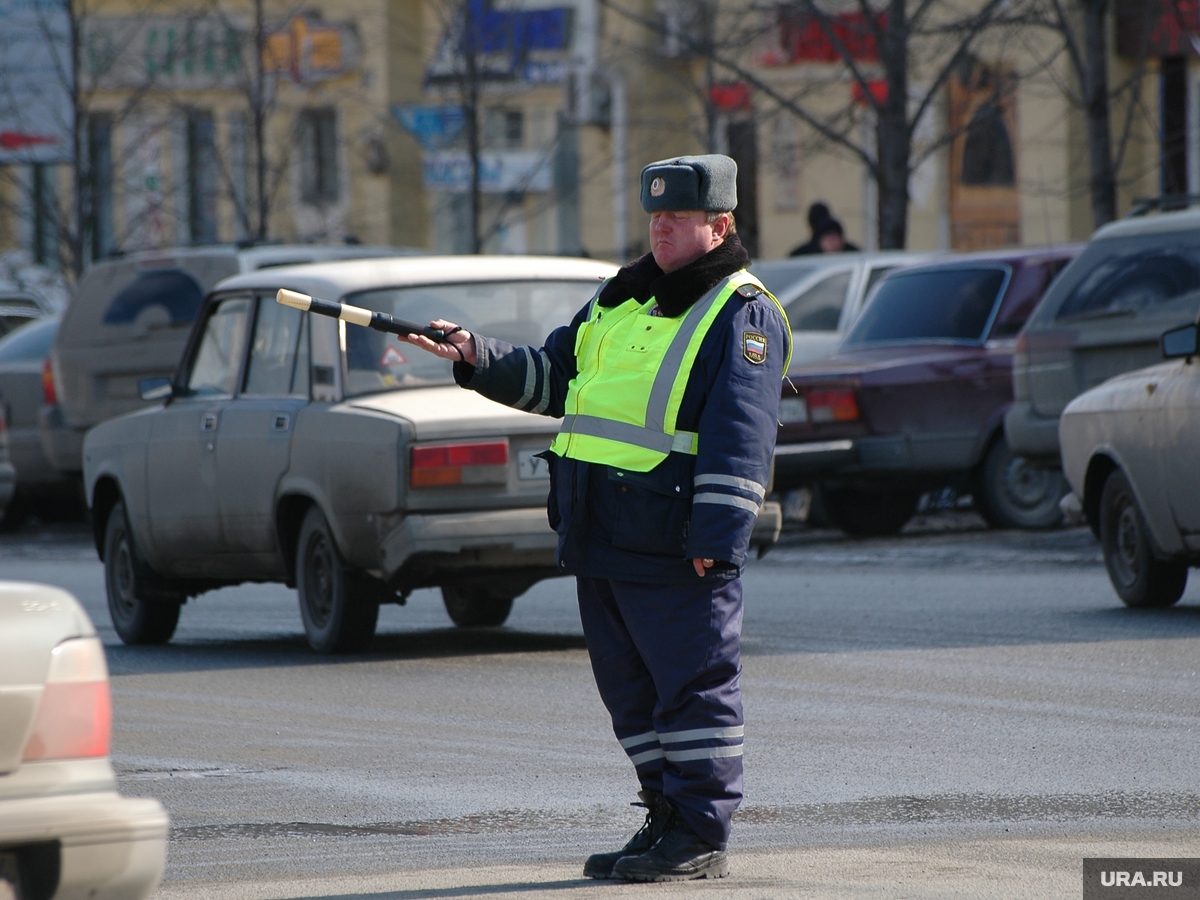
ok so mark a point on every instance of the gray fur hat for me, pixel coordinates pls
(690, 182)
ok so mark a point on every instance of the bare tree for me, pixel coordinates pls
(1083, 27)
(916, 46)
(79, 70)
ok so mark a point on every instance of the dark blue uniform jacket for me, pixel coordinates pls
(636, 526)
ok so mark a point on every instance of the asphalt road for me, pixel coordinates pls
(954, 712)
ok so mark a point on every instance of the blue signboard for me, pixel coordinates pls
(434, 127)
(526, 44)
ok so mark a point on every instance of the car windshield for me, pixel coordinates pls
(29, 342)
(520, 312)
(952, 304)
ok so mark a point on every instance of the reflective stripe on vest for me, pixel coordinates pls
(636, 432)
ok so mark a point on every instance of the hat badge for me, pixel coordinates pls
(657, 187)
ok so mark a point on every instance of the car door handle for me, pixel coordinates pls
(208, 422)
(280, 422)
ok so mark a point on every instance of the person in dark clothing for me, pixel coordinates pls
(832, 239)
(668, 384)
(821, 221)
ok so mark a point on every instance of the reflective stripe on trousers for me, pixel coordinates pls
(649, 645)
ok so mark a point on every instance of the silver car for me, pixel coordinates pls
(824, 293)
(299, 449)
(129, 319)
(1128, 451)
(64, 829)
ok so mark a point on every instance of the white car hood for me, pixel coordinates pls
(449, 412)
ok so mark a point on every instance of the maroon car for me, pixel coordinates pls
(914, 399)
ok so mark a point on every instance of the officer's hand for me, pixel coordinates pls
(463, 340)
(700, 565)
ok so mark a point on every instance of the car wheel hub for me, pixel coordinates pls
(1027, 486)
(1127, 543)
(123, 579)
(319, 581)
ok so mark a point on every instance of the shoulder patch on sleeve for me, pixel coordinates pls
(749, 291)
(754, 347)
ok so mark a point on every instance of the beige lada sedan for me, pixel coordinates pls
(65, 832)
(301, 449)
(1128, 450)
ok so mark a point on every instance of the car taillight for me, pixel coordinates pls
(1022, 342)
(49, 394)
(74, 717)
(838, 405)
(459, 464)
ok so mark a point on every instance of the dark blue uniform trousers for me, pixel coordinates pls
(666, 660)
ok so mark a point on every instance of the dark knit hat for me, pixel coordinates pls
(829, 225)
(690, 182)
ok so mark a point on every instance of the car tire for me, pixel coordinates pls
(1011, 493)
(473, 606)
(869, 513)
(138, 616)
(1140, 579)
(337, 605)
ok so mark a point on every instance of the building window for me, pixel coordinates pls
(100, 175)
(987, 151)
(318, 156)
(201, 177)
(504, 129)
(43, 200)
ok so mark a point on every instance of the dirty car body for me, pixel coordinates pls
(299, 449)
(914, 397)
(1128, 453)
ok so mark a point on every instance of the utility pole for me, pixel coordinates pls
(470, 45)
(260, 117)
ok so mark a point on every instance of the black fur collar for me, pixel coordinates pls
(675, 291)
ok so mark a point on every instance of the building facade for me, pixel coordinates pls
(255, 119)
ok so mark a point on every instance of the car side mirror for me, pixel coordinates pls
(156, 388)
(1179, 342)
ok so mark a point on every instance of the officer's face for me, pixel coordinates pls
(679, 238)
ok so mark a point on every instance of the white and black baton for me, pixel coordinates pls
(356, 315)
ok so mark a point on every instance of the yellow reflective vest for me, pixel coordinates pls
(633, 366)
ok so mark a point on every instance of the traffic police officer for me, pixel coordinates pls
(668, 385)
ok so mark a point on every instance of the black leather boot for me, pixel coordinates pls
(658, 815)
(680, 855)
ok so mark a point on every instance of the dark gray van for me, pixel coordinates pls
(1104, 315)
(129, 320)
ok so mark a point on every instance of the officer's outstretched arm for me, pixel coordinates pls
(737, 431)
(533, 379)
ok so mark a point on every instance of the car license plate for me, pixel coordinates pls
(531, 467)
(9, 877)
(792, 409)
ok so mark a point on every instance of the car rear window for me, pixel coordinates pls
(9, 324)
(952, 304)
(778, 276)
(174, 291)
(118, 299)
(30, 342)
(520, 312)
(1140, 278)
(820, 307)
